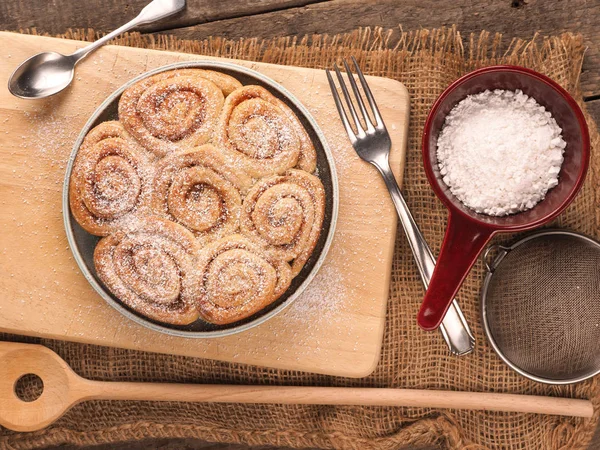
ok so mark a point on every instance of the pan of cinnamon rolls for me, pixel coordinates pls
(200, 199)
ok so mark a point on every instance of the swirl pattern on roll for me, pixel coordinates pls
(225, 82)
(174, 110)
(150, 267)
(261, 135)
(199, 190)
(238, 278)
(285, 214)
(110, 179)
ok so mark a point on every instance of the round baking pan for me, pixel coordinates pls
(83, 244)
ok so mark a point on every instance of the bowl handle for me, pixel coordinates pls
(463, 242)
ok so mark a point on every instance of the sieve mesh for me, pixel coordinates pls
(542, 306)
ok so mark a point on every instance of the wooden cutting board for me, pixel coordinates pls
(336, 327)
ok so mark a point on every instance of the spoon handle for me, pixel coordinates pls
(303, 395)
(156, 10)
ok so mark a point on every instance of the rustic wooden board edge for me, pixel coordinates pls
(364, 366)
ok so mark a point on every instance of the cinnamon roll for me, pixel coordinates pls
(149, 266)
(174, 110)
(110, 179)
(237, 279)
(261, 135)
(199, 190)
(285, 214)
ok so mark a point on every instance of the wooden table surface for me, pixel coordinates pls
(272, 18)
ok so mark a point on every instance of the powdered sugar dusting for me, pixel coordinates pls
(322, 300)
(52, 136)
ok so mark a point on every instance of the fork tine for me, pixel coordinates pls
(340, 108)
(369, 95)
(358, 97)
(359, 126)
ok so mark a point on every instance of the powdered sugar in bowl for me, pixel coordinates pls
(500, 152)
(468, 231)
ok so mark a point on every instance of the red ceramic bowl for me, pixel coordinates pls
(468, 232)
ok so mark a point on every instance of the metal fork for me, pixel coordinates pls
(372, 143)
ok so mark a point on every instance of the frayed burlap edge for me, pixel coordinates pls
(447, 44)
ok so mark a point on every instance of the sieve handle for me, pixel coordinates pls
(463, 242)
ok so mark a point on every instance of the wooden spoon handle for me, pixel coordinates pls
(340, 396)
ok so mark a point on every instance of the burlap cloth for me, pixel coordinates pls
(426, 62)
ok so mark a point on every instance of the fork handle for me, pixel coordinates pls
(454, 327)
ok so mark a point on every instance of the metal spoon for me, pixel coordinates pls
(48, 73)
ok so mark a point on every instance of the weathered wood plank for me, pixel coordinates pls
(593, 107)
(545, 16)
(106, 15)
(269, 18)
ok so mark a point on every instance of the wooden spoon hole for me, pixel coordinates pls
(29, 387)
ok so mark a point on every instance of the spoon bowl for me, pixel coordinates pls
(42, 75)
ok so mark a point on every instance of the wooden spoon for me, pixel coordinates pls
(63, 388)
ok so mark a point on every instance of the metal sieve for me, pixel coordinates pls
(540, 306)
